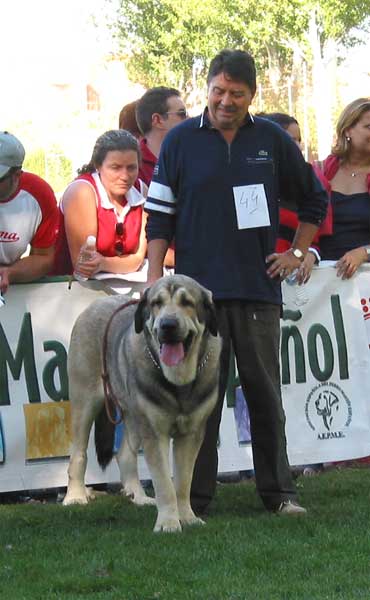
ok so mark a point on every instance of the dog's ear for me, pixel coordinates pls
(210, 312)
(141, 313)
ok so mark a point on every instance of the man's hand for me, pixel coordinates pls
(282, 265)
(305, 270)
(4, 279)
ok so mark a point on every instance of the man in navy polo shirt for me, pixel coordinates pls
(216, 191)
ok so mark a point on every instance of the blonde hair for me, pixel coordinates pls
(348, 118)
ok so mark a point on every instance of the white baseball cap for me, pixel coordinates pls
(12, 152)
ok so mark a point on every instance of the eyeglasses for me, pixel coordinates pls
(182, 113)
(118, 246)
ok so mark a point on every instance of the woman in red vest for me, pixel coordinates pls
(105, 200)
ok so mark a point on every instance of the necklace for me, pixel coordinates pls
(354, 173)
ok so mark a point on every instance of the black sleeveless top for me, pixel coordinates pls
(351, 225)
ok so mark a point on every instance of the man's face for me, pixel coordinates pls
(228, 102)
(176, 112)
(8, 185)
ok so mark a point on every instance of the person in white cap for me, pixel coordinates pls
(28, 217)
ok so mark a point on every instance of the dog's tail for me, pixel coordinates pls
(104, 438)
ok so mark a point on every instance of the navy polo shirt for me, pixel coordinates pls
(191, 198)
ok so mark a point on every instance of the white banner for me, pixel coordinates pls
(325, 375)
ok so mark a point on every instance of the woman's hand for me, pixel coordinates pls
(305, 270)
(89, 267)
(350, 262)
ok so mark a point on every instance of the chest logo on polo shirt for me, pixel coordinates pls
(263, 153)
(9, 236)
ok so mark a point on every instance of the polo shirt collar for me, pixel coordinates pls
(146, 153)
(133, 196)
(205, 120)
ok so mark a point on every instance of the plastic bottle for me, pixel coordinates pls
(86, 252)
(292, 278)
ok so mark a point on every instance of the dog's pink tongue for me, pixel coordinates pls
(172, 354)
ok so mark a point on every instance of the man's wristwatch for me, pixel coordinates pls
(367, 250)
(298, 253)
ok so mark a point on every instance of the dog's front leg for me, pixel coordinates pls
(185, 452)
(127, 462)
(156, 451)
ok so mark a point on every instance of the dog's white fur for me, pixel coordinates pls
(160, 402)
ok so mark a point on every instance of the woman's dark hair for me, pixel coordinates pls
(237, 64)
(281, 119)
(115, 139)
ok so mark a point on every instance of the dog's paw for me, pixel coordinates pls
(82, 496)
(191, 520)
(69, 500)
(138, 497)
(143, 500)
(168, 525)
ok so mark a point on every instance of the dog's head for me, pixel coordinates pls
(178, 314)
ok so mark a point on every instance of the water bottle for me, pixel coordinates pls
(86, 252)
(292, 278)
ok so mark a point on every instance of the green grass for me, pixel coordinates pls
(108, 551)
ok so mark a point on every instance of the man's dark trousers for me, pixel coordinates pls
(253, 329)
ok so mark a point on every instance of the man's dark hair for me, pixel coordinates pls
(237, 65)
(153, 101)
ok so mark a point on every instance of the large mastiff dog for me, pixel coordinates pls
(162, 361)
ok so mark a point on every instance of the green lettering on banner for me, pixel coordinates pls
(24, 355)
(59, 361)
(314, 332)
(340, 337)
(300, 368)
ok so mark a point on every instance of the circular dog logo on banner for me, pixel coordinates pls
(328, 410)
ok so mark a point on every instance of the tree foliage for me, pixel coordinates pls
(168, 41)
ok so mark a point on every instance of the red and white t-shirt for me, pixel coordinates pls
(29, 216)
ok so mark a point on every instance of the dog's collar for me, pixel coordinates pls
(200, 367)
(152, 358)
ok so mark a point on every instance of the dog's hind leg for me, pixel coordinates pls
(127, 461)
(82, 420)
(185, 452)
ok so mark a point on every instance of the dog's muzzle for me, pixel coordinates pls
(173, 347)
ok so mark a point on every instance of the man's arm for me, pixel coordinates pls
(156, 252)
(299, 186)
(29, 268)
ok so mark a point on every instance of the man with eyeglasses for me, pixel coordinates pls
(28, 217)
(216, 191)
(157, 111)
